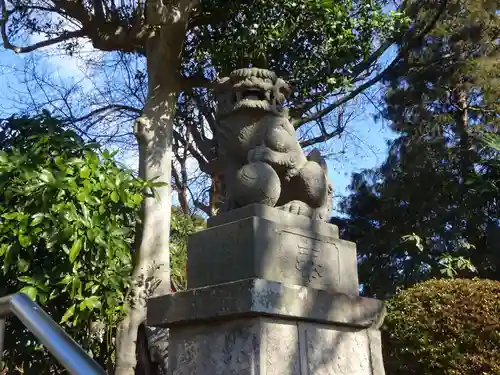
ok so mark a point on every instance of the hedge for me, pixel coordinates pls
(444, 327)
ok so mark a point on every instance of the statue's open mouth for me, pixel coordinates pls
(250, 94)
(252, 88)
(251, 98)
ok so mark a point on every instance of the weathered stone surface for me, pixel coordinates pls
(255, 247)
(269, 346)
(275, 215)
(259, 153)
(280, 348)
(253, 297)
(377, 360)
(272, 290)
(337, 350)
(223, 350)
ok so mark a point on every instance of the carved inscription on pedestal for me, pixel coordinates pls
(305, 260)
(238, 350)
(228, 352)
(281, 349)
(258, 248)
(308, 262)
(187, 352)
(336, 352)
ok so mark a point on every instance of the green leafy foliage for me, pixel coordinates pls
(431, 209)
(492, 140)
(444, 327)
(181, 226)
(67, 223)
(326, 50)
(67, 217)
(315, 44)
(487, 182)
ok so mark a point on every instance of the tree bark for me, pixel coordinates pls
(462, 123)
(151, 273)
(217, 193)
(154, 133)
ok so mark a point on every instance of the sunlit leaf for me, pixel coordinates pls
(68, 314)
(30, 291)
(47, 176)
(115, 197)
(75, 249)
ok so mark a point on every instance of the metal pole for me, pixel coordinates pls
(2, 338)
(63, 347)
(5, 307)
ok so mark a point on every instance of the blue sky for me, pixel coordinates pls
(367, 149)
(364, 144)
(7, 60)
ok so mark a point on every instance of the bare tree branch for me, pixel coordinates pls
(203, 163)
(410, 44)
(198, 81)
(206, 109)
(44, 43)
(106, 110)
(323, 137)
(345, 99)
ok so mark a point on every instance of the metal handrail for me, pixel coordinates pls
(59, 343)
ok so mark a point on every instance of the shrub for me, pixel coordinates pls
(67, 226)
(67, 216)
(181, 227)
(449, 327)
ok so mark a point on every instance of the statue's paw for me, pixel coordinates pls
(319, 214)
(291, 173)
(257, 154)
(297, 208)
(252, 157)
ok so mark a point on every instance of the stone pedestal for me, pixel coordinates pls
(270, 293)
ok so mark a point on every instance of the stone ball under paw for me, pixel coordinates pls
(257, 183)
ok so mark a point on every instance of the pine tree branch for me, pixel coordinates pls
(367, 63)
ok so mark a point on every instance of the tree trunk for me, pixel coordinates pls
(183, 186)
(217, 194)
(154, 133)
(151, 273)
(462, 123)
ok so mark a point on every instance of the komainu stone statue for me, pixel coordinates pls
(269, 291)
(260, 155)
